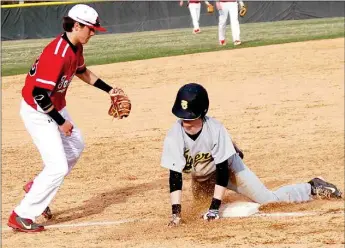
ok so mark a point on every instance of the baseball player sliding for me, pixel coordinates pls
(194, 9)
(203, 146)
(43, 110)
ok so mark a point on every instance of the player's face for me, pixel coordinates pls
(192, 126)
(85, 33)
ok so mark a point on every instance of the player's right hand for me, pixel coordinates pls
(175, 220)
(212, 214)
(219, 7)
(66, 128)
(181, 3)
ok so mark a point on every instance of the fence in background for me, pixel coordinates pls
(44, 21)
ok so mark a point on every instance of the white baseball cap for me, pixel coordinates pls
(86, 15)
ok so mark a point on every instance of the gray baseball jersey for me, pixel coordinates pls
(213, 146)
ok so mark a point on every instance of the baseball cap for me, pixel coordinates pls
(86, 15)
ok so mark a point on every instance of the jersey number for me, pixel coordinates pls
(33, 69)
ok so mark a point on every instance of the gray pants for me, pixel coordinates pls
(243, 181)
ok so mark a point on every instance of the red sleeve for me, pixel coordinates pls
(49, 68)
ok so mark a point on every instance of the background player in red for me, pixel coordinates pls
(43, 110)
(194, 9)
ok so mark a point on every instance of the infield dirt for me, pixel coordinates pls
(282, 104)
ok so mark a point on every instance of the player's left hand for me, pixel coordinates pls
(175, 220)
(120, 104)
(212, 214)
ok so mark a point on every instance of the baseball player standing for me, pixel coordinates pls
(194, 9)
(229, 8)
(43, 111)
(203, 146)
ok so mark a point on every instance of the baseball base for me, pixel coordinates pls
(238, 209)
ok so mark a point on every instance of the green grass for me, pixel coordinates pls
(17, 56)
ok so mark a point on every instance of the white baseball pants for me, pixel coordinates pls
(59, 154)
(229, 8)
(194, 9)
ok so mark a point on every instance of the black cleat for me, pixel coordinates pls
(323, 189)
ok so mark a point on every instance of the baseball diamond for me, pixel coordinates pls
(229, 148)
(281, 114)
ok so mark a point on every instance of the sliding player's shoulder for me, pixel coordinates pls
(213, 123)
(175, 129)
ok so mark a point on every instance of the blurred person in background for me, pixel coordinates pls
(194, 9)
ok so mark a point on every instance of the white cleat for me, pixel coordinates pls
(237, 42)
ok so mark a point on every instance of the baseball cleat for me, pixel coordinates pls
(237, 42)
(196, 31)
(23, 225)
(323, 189)
(222, 42)
(47, 213)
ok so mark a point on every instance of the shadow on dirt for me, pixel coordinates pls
(97, 204)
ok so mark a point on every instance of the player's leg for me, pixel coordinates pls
(47, 212)
(74, 144)
(193, 13)
(46, 137)
(223, 16)
(245, 182)
(197, 11)
(234, 23)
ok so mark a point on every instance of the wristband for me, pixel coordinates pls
(100, 84)
(215, 204)
(176, 208)
(56, 116)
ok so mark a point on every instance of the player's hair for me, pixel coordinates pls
(68, 24)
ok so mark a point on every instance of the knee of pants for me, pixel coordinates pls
(236, 163)
(77, 150)
(222, 24)
(59, 171)
(80, 149)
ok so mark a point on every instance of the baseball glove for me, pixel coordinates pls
(243, 10)
(120, 104)
(210, 9)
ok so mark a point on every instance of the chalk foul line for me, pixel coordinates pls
(119, 222)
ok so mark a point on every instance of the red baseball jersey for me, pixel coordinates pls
(54, 70)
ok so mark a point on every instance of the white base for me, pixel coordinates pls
(238, 209)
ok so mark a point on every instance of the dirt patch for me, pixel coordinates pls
(283, 104)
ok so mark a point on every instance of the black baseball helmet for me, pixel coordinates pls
(191, 102)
